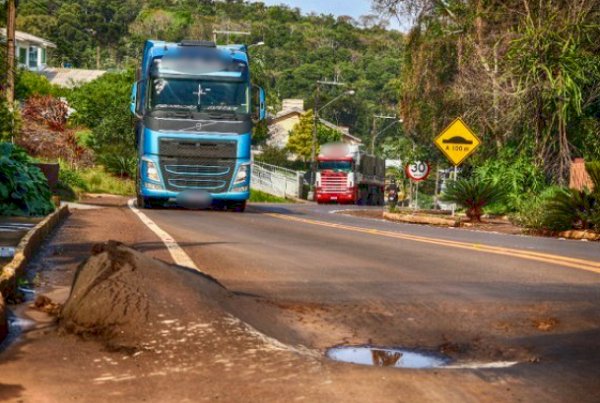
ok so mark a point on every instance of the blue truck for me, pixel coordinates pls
(195, 108)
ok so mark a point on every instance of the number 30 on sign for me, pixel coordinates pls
(418, 171)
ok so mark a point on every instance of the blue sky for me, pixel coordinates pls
(354, 8)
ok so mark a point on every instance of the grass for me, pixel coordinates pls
(100, 181)
(256, 196)
(74, 182)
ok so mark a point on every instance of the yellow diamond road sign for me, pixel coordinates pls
(457, 142)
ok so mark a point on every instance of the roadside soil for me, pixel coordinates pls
(192, 346)
(488, 224)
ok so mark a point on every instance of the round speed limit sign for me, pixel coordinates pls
(418, 171)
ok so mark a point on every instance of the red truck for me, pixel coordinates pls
(345, 174)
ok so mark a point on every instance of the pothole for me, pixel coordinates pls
(406, 358)
(387, 357)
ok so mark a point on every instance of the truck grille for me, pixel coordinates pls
(191, 165)
(334, 184)
(194, 148)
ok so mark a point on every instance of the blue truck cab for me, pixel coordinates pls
(195, 109)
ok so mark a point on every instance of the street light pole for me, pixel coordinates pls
(374, 135)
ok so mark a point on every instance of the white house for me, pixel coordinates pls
(281, 125)
(31, 51)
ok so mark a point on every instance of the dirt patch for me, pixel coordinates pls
(112, 299)
(432, 217)
(545, 325)
(364, 213)
(44, 304)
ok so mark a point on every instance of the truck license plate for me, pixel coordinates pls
(334, 198)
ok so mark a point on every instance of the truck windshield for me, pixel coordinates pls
(200, 95)
(343, 166)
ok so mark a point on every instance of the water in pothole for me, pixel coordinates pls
(387, 357)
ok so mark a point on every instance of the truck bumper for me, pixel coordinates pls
(167, 195)
(341, 198)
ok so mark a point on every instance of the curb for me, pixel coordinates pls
(416, 219)
(580, 235)
(27, 248)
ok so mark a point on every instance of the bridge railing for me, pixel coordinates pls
(277, 181)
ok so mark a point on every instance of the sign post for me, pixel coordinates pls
(457, 142)
(418, 171)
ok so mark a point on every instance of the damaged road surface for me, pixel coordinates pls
(290, 311)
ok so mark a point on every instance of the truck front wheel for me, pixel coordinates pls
(237, 207)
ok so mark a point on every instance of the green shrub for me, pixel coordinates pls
(23, 188)
(517, 175)
(122, 165)
(273, 155)
(532, 210)
(103, 106)
(571, 208)
(71, 177)
(105, 97)
(29, 84)
(6, 122)
(473, 194)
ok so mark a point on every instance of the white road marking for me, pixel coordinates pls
(177, 253)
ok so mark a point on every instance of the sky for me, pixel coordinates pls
(354, 8)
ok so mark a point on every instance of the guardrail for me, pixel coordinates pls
(276, 180)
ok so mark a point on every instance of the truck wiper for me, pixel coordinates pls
(220, 114)
(177, 111)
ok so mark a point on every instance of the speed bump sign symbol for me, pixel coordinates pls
(457, 142)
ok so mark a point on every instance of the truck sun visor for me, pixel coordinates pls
(187, 66)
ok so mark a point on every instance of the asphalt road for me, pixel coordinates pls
(482, 296)
(301, 251)
(307, 280)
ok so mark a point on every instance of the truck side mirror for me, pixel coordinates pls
(136, 105)
(132, 104)
(263, 104)
(259, 104)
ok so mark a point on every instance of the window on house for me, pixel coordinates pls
(44, 56)
(33, 57)
(23, 56)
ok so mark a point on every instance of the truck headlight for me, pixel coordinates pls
(151, 171)
(242, 175)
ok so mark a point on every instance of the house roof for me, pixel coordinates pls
(344, 130)
(285, 114)
(70, 78)
(25, 37)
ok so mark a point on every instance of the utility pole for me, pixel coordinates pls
(313, 158)
(10, 48)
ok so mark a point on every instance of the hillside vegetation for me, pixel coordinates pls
(299, 49)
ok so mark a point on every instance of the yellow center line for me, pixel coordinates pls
(581, 264)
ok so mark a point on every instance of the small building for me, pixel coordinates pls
(31, 51)
(70, 78)
(282, 124)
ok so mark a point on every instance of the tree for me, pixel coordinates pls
(301, 138)
(524, 74)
